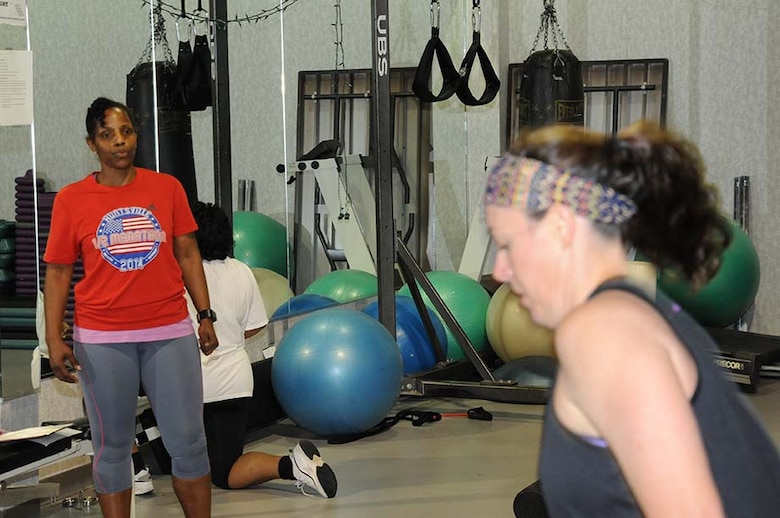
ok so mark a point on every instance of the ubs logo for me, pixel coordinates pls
(381, 45)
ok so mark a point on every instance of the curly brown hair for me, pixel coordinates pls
(215, 232)
(678, 223)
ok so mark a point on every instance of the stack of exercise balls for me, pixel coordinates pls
(260, 241)
(337, 372)
(729, 294)
(524, 347)
(345, 285)
(468, 302)
(416, 347)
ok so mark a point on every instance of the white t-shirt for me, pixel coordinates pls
(236, 299)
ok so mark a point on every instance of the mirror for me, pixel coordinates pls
(285, 58)
(72, 66)
(440, 148)
(75, 59)
(16, 314)
(77, 56)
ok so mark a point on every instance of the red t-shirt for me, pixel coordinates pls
(124, 236)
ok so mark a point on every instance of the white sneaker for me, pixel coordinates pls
(142, 482)
(309, 469)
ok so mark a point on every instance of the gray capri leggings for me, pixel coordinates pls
(170, 371)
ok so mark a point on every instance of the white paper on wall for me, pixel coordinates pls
(12, 12)
(16, 102)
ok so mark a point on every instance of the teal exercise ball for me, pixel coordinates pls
(725, 297)
(337, 372)
(260, 241)
(345, 285)
(467, 300)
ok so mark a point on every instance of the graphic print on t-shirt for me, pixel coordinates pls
(129, 238)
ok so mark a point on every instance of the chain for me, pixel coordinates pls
(560, 33)
(548, 24)
(158, 37)
(201, 14)
(338, 26)
(539, 33)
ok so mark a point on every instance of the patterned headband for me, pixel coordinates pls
(535, 186)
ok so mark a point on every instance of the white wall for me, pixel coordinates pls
(722, 56)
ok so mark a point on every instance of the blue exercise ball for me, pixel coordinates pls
(337, 372)
(413, 341)
(530, 371)
(468, 302)
(300, 304)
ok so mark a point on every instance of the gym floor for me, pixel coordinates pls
(456, 467)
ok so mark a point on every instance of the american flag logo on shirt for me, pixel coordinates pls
(129, 238)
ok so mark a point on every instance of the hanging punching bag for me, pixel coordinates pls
(173, 137)
(551, 90)
(174, 127)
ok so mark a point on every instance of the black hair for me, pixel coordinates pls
(678, 223)
(96, 114)
(215, 233)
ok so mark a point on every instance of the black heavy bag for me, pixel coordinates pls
(551, 90)
(174, 127)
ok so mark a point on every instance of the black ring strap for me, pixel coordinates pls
(492, 82)
(421, 86)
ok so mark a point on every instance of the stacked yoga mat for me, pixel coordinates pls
(28, 261)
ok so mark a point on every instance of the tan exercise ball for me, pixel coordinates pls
(274, 288)
(511, 332)
(644, 275)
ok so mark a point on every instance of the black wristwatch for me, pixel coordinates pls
(207, 313)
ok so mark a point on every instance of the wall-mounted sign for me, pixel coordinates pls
(12, 12)
(16, 91)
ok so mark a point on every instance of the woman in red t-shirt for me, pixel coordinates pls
(134, 233)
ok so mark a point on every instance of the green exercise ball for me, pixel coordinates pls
(726, 296)
(260, 241)
(468, 302)
(345, 285)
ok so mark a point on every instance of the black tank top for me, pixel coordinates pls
(580, 478)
